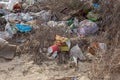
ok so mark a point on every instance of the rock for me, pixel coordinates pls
(84, 78)
(68, 78)
(7, 50)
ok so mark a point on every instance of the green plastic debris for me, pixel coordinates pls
(72, 26)
(93, 16)
(70, 22)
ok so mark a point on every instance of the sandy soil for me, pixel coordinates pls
(23, 68)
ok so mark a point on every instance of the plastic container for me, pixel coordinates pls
(52, 49)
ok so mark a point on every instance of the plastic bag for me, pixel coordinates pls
(56, 24)
(3, 12)
(87, 27)
(76, 52)
(96, 5)
(8, 33)
(11, 30)
(12, 2)
(8, 4)
(30, 2)
(103, 47)
(52, 23)
(23, 27)
(62, 23)
(5, 35)
(10, 17)
(73, 23)
(44, 15)
(19, 17)
(26, 17)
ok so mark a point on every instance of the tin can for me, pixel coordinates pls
(54, 55)
(52, 49)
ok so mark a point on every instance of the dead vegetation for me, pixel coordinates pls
(106, 67)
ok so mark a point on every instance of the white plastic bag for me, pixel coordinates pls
(5, 35)
(8, 33)
(12, 3)
(103, 46)
(52, 23)
(10, 29)
(62, 23)
(26, 17)
(13, 17)
(10, 17)
(76, 52)
(44, 15)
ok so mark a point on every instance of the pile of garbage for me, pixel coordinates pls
(45, 23)
(47, 36)
(13, 23)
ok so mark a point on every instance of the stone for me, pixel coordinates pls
(84, 78)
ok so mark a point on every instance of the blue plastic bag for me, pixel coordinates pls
(23, 27)
(95, 5)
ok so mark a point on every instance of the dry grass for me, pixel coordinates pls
(107, 65)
